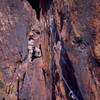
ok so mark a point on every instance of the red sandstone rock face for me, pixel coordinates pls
(39, 56)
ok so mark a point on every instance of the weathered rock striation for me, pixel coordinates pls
(49, 50)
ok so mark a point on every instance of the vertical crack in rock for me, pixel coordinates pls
(68, 73)
(18, 97)
(23, 79)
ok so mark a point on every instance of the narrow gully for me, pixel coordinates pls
(68, 74)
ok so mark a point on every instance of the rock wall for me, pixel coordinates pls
(49, 50)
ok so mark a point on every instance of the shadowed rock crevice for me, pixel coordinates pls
(35, 5)
(69, 75)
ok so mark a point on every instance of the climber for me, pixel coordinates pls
(36, 53)
(57, 50)
(30, 49)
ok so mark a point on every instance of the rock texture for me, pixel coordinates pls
(49, 50)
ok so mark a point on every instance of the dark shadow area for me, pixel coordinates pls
(33, 55)
(64, 14)
(94, 61)
(18, 98)
(48, 3)
(45, 5)
(35, 5)
(39, 5)
(62, 17)
(68, 73)
(3, 98)
(53, 68)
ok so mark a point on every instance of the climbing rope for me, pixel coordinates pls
(71, 93)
